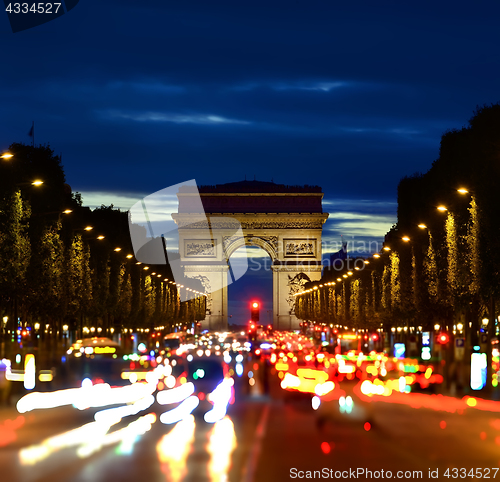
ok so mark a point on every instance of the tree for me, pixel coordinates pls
(15, 252)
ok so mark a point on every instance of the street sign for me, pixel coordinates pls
(484, 338)
(459, 342)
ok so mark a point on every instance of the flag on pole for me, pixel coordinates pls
(30, 133)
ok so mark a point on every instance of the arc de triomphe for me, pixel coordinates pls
(285, 221)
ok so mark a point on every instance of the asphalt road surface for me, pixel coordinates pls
(273, 436)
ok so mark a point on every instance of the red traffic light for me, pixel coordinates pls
(375, 337)
(255, 310)
(443, 338)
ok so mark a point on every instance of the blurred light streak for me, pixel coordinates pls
(133, 376)
(322, 389)
(181, 411)
(221, 444)
(37, 400)
(220, 397)
(346, 404)
(434, 402)
(306, 380)
(102, 394)
(85, 397)
(29, 372)
(85, 434)
(127, 436)
(173, 449)
(45, 376)
(175, 395)
(482, 404)
(112, 414)
(478, 371)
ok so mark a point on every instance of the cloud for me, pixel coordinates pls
(318, 86)
(146, 87)
(403, 131)
(362, 206)
(159, 210)
(312, 86)
(362, 223)
(163, 117)
(120, 200)
(367, 225)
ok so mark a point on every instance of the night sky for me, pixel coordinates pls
(351, 96)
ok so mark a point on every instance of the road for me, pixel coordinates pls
(265, 437)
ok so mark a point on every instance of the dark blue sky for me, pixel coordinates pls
(140, 95)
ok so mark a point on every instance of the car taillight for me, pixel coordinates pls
(201, 396)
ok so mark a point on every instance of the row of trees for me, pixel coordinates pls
(54, 270)
(441, 261)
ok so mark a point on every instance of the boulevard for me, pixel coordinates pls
(268, 434)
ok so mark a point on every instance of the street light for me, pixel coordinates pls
(422, 226)
(442, 208)
(6, 156)
(406, 239)
(462, 190)
(37, 182)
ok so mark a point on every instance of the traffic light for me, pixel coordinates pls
(443, 338)
(255, 310)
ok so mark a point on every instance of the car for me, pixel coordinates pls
(99, 359)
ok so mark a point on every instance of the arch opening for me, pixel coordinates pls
(255, 285)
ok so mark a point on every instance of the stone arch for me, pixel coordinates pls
(285, 221)
(257, 241)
